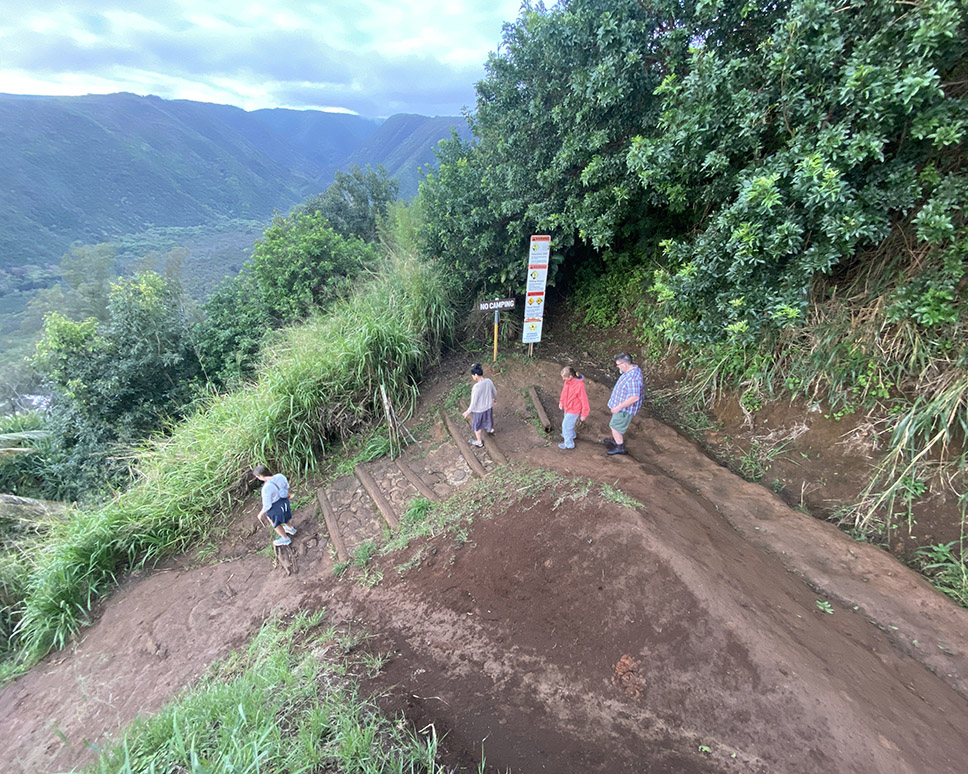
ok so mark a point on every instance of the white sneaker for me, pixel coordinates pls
(289, 530)
(282, 541)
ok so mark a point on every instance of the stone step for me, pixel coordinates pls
(357, 519)
(394, 484)
(359, 508)
(442, 469)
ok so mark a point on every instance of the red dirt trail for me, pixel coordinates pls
(677, 637)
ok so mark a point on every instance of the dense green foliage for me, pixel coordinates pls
(355, 202)
(123, 359)
(563, 98)
(275, 706)
(798, 154)
(318, 383)
(775, 190)
(300, 264)
(112, 382)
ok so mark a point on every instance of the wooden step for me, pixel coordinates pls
(494, 450)
(418, 483)
(330, 518)
(376, 494)
(542, 414)
(465, 448)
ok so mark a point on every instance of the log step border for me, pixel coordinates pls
(332, 527)
(375, 493)
(418, 483)
(465, 449)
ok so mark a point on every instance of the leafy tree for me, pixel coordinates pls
(114, 382)
(86, 275)
(299, 265)
(791, 156)
(231, 333)
(302, 262)
(461, 224)
(356, 202)
(561, 100)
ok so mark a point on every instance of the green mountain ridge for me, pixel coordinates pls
(90, 169)
(405, 143)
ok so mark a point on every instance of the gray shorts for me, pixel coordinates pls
(482, 420)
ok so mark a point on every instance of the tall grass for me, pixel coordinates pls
(286, 703)
(318, 382)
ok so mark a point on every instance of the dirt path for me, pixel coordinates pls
(680, 636)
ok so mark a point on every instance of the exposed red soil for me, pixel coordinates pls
(681, 636)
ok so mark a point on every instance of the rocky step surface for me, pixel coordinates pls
(361, 508)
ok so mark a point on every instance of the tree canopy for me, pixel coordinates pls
(742, 150)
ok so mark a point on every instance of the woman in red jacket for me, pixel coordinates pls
(574, 402)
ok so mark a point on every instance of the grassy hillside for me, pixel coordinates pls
(382, 337)
(92, 169)
(326, 139)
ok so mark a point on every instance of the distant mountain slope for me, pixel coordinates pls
(405, 143)
(326, 139)
(94, 168)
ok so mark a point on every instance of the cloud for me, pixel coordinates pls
(375, 57)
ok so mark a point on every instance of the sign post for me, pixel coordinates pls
(539, 256)
(497, 305)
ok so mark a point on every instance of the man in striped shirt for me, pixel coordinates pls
(625, 402)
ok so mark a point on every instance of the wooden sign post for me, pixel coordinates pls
(497, 305)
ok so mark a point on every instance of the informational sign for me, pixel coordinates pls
(539, 256)
(532, 331)
(537, 277)
(491, 306)
(534, 305)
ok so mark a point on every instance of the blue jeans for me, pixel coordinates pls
(568, 429)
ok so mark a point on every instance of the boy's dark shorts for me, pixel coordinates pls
(280, 512)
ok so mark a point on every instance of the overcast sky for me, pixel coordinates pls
(372, 57)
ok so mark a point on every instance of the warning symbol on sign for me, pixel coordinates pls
(532, 331)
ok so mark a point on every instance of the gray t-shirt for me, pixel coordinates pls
(483, 394)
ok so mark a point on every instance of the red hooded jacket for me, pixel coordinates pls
(574, 399)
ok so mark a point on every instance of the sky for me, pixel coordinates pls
(370, 57)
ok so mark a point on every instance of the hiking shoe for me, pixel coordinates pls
(282, 541)
(609, 443)
(289, 530)
(565, 446)
(477, 444)
(617, 449)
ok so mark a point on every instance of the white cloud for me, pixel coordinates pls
(375, 57)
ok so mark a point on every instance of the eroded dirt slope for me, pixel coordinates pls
(681, 635)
